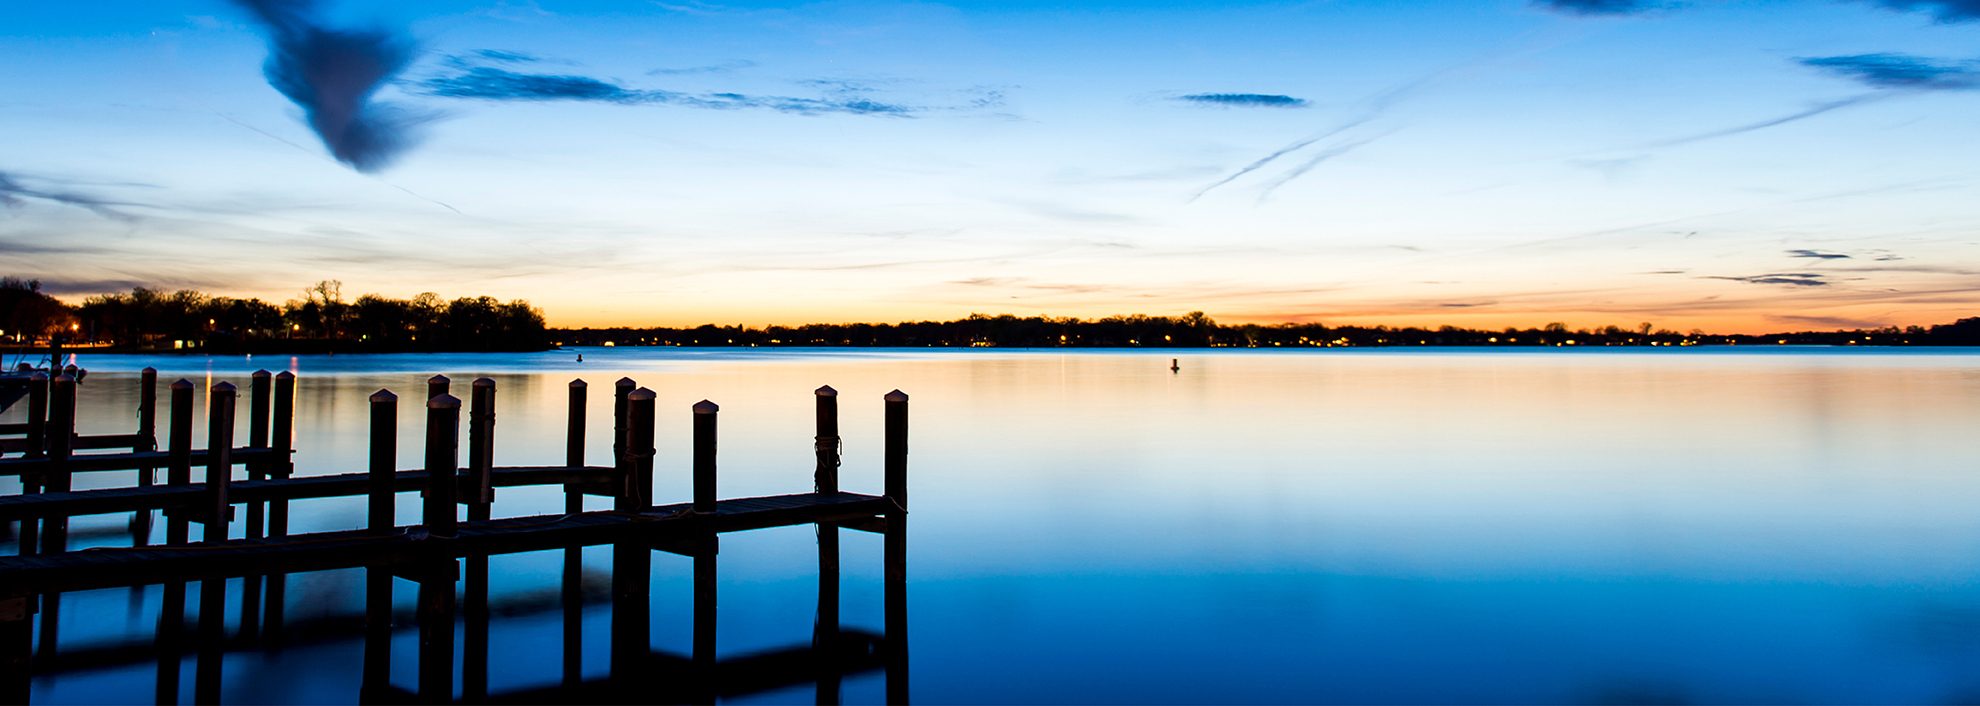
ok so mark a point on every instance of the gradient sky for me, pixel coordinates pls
(1739, 166)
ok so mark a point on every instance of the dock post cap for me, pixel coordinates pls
(179, 384)
(484, 382)
(285, 375)
(625, 382)
(897, 396)
(262, 373)
(826, 391)
(444, 402)
(706, 407)
(384, 395)
(578, 383)
(65, 378)
(437, 379)
(149, 369)
(39, 376)
(224, 387)
(640, 395)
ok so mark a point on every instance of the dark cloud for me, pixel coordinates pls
(1791, 279)
(1244, 100)
(1596, 8)
(1818, 254)
(1944, 10)
(331, 74)
(721, 68)
(497, 84)
(1902, 71)
(14, 194)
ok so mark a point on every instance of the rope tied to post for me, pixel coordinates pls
(830, 444)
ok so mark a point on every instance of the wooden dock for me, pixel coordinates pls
(433, 553)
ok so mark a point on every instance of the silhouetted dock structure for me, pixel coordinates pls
(431, 554)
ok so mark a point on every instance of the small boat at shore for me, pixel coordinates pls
(14, 382)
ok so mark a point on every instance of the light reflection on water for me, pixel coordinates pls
(1367, 526)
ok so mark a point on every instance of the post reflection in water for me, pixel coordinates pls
(637, 672)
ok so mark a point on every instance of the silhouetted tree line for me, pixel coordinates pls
(1195, 330)
(320, 320)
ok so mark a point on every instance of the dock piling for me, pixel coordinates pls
(443, 433)
(639, 452)
(704, 456)
(380, 498)
(826, 478)
(219, 465)
(896, 448)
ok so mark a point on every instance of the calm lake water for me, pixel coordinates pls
(1724, 525)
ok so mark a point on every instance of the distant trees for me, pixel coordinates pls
(318, 320)
(1196, 330)
(26, 313)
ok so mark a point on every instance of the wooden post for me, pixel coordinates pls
(620, 390)
(826, 478)
(172, 607)
(37, 443)
(573, 577)
(37, 431)
(443, 462)
(178, 468)
(704, 456)
(436, 386)
(382, 496)
(282, 435)
(894, 551)
(258, 399)
(481, 448)
(896, 448)
(147, 440)
(481, 462)
(639, 453)
(259, 383)
(219, 464)
(61, 441)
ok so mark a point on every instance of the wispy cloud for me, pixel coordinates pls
(1244, 100)
(1900, 71)
(1804, 114)
(721, 68)
(1945, 10)
(1791, 279)
(1596, 8)
(498, 84)
(1818, 255)
(14, 194)
(331, 74)
(1838, 322)
(1310, 163)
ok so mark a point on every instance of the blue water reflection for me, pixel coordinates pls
(1761, 526)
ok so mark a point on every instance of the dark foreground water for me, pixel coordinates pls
(1767, 526)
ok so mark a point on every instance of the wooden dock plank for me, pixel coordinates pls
(158, 497)
(133, 566)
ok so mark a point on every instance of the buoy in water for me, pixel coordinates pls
(1174, 366)
(580, 357)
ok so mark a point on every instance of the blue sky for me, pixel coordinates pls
(1727, 165)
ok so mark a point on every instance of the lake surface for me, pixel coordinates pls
(1369, 526)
